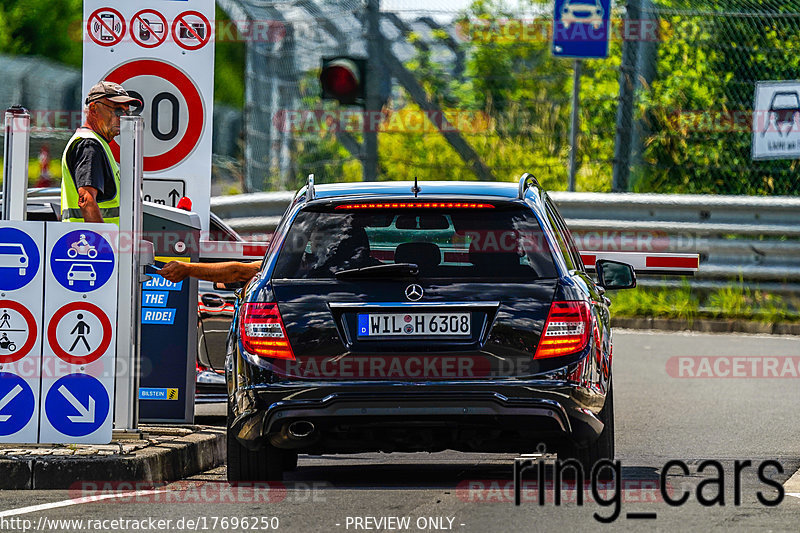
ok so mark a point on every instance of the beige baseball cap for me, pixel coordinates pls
(111, 91)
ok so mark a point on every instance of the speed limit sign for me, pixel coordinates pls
(172, 107)
(166, 60)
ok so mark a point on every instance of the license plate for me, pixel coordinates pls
(414, 325)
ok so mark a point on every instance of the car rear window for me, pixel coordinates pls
(491, 243)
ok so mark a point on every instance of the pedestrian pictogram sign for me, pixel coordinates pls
(106, 26)
(79, 333)
(17, 404)
(77, 405)
(149, 28)
(18, 331)
(79, 351)
(191, 30)
(82, 261)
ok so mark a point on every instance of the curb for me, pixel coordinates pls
(705, 325)
(165, 462)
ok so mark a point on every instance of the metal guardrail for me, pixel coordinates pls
(750, 238)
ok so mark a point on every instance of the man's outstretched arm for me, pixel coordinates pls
(228, 272)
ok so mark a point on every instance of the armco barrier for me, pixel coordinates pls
(752, 238)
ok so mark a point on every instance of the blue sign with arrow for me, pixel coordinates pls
(77, 405)
(19, 259)
(16, 403)
(82, 261)
(581, 28)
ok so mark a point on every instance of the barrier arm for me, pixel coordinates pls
(647, 263)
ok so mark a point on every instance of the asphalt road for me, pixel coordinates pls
(660, 416)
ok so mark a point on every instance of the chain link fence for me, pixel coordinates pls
(478, 94)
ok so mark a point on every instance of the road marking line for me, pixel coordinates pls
(76, 501)
(795, 494)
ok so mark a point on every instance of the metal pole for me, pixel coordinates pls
(131, 143)
(575, 124)
(15, 163)
(373, 97)
(627, 89)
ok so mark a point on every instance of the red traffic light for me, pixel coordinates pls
(342, 79)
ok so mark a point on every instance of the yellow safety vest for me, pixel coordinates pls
(70, 211)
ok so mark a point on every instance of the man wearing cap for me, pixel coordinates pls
(89, 173)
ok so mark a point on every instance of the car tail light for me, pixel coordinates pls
(567, 330)
(262, 331)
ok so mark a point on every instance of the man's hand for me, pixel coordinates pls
(87, 202)
(174, 271)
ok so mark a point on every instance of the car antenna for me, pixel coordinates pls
(415, 189)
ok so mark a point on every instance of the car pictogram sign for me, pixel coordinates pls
(17, 404)
(18, 331)
(77, 405)
(82, 261)
(106, 27)
(19, 259)
(79, 333)
(191, 30)
(173, 106)
(149, 28)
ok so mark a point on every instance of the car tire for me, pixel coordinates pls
(602, 448)
(266, 464)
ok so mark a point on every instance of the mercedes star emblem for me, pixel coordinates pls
(414, 292)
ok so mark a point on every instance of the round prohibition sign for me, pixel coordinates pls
(183, 29)
(188, 90)
(149, 28)
(52, 337)
(102, 22)
(30, 322)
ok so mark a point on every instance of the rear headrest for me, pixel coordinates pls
(423, 254)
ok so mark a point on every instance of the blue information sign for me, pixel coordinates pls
(16, 403)
(19, 259)
(581, 28)
(82, 261)
(77, 405)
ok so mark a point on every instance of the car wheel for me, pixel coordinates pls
(266, 464)
(602, 448)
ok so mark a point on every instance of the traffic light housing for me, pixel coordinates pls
(343, 78)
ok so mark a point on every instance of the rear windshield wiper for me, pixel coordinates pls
(390, 270)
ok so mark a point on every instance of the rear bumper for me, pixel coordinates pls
(413, 417)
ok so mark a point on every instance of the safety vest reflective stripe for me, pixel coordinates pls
(106, 213)
(70, 211)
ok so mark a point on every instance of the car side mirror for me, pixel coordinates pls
(219, 286)
(613, 275)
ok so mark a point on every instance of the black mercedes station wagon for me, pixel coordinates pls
(404, 317)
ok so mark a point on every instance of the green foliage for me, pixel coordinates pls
(42, 27)
(229, 60)
(54, 29)
(736, 301)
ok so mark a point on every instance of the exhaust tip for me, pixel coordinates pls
(301, 429)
